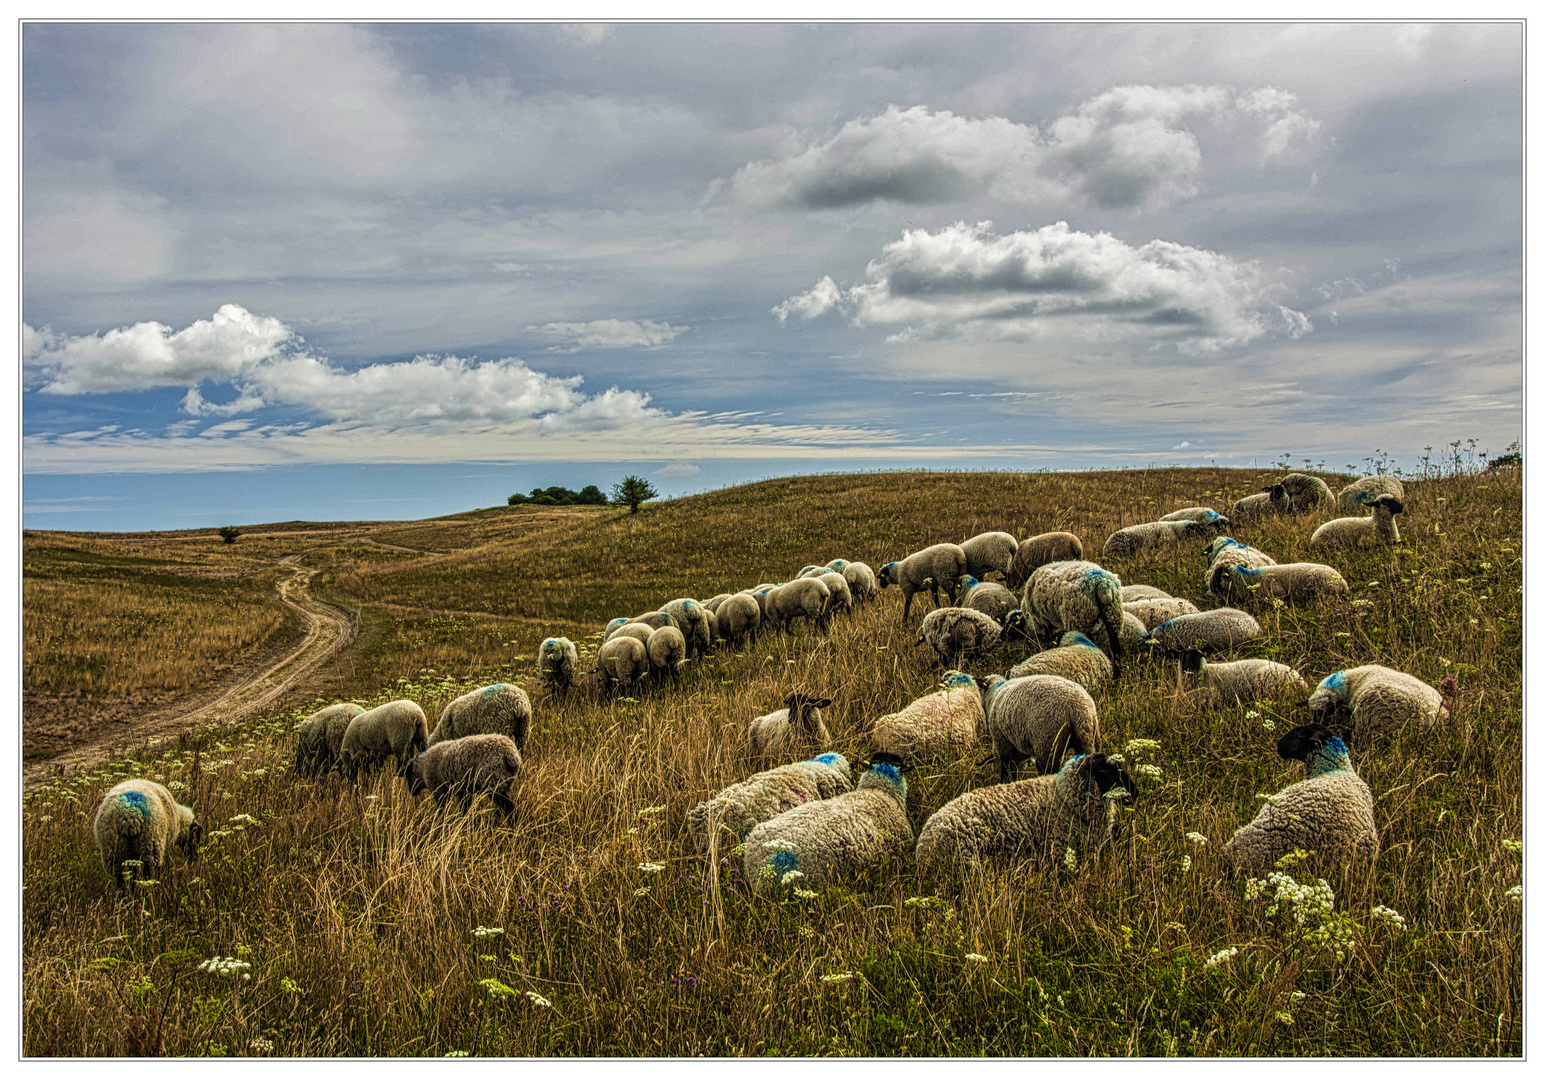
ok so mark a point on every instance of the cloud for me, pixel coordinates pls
(964, 282)
(1182, 446)
(1127, 148)
(609, 334)
(817, 301)
(678, 468)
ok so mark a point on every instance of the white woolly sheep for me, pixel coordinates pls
(1380, 528)
(1129, 593)
(1352, 498)
(811, 570)
(319, 736)
(1041, 717)
(991, 599)
(989, 551)
(713, 602)
(1134, 635)
(1306, 492)
(837, 585)
(1041, 817)
(801, 598)
(1074, 596)
(137, 820)
(934, 568)
(958, 632)
(830, 840)
(613, 626)
(1158, 610)
(1209, 631)
(1288, 582)
(944, 722)
(464, 768)
(762, 796)
(1225, 549)
(692, 621)
(1329, 812)
(796, 726)
(1076, 658)
(1036, 552)
(557, 662)
(1160, 534)
(838, 565)
(397, 729)
(1192, 513)
(654, 620)
(1242, 682)
(1271, 500)
(740, 617)
(667, 651)
(500, 709)
(621, 663)
(638, 631)
(1380, 701)
(861, 582)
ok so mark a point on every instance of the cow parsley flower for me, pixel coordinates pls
(1221, 955)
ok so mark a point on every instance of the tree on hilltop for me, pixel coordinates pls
(632, 491)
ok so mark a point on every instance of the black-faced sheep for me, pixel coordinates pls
(796, 726)
(1379, 528)
(933, 568)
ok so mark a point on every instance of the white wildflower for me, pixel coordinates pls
(779, 844)
(837, 976)
(1196, 838)
(1136, 747)
(1221, 955)
(456, 1053)
(642, 891)
(260, 1046)
(1148, 770)
(538, 1000)
(976, 957)
(487, 931)
(1389, 915)
(1512, 845)
(648, 810)
(806, 894)
(1070, 859)
(650, 867)
(1515, 894)
(791, 877)
(1251, 714)
(224, 965)
(1185, 864)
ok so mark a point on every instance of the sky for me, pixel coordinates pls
(345, 271)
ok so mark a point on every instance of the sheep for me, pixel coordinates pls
(612, 627)
(620, 662)
(692, 621)
(861, 582)
(713, 602)
(760, 594)
(1074, 596)
(1329, 812)
(1271, 500)
(959, 631)
(1208, 631)
(1289, 582)
(655, 619)
(1357, 494)
(740, 617)
(762, 796)
(811, 571)
(1192, 513)
(137, 820)
(318, 737)
(946, 721)
(798, 724)
(1133, 635)
(1040, 717)
(1153, 612)
(1305, 492)
(838, 565)
(1130, 593)
(1379, 699)
(991, 599)
(830, 840)
(1159, 534)
(1036, 552)
(463, 768)
(837, 585)
(667, 651)
(713, 627)
(1380, 528)
(1225, 549)
(393, 729)
(1076, 658)
(937, 567)
(1241, 682)
(638, 631)
(500, 709)
(989, 551)
(1043, 817)
(800, 598)
(557, 662)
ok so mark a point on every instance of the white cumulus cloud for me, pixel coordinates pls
(608, 334)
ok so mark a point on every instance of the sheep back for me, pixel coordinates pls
(762, 796)
(1041, 717)
(861, 582)
(1352, 497)
(319, 737)
(500, 709)
(944, 722)
(827, 841)
(557, 663)
(1209, 631)
(1158, 610)
(959, 631)
(622, 660)
(1076, 658)
(740, 616)
(989, 551)
(465, 767)
(1381, 700)
(390, 730)
(1037, 551)
(138, 819)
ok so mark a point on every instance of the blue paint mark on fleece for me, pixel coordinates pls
(888, 771)
(1336, 682)
(829, 758)
(490, 691)
(1330, 756)
(960, 678)
(136, 800)
(784, 861)
(1081, 639)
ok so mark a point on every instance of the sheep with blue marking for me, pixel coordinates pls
(1075, 657)
(692, 621)
(623, 661)
(945, 722)
(1227, 550)
(762, 796)
(1379, 700)
(1242, 682)
(1193, 513)
(830, 841)
(1378, 529)
(464, 768)
(1292, 583)
(988, 597)
(1131, 593)
(138, 820)
(500, 709)
(861, 582)
(1044, 717)
(1153, 612)
(1208, 631)
(1075, 596)
(557, 663)
(319, 737)
(397, 729)
(1358, 494)
(667, 651)
(933, 568)
(740, 619)
(1306, 493)
(841, 594)
(1133, 636)
(798, 725)
(1037, 551)
(802, 598)
(989, 551)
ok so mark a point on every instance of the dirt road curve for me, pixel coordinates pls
(327, 631)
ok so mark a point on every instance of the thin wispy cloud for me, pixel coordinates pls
(608, 334)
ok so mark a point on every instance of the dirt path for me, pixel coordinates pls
(327, 631)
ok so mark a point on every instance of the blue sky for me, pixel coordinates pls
(278, 271)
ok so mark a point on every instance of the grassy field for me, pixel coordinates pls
(375, 925)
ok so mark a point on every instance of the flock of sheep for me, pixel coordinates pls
(809, 823)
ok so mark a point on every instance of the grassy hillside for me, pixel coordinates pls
(376, 925)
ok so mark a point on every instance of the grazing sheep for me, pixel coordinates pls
(1133, 636)
(1193, 513)
(692, 621)
(1076, 658)
(667, 651)
(1380, 528)
(796, 726)
(761, 594)
(613, 626)
(811, 571)
(991, 599)
(944, 722)
(933, 568)
(1041, 717)
(838, 565)
(1041, 817)
(740, 617)
(989, 551)
(1241, 682)
(1289, 582)
(1036, 552)
(1210, 631)
(1225, 549)
(500, 709)
(1379, 699)
(713, 602)
(620, 662)
(137, 820)
(1153, 612)
(861, 582)
(763, 796)
(319, 736)
(464, 768)
(638, 631)
(557, 662)
(1306, 492)
(390, 730)
(806, 598)
(654, 620)
(1129, 593)
(1074, 596)
(1271, 500)
(1329, 812)
(837, 585)
(1160, 534)
(1357, 494)
(959, 631)
(830, 840)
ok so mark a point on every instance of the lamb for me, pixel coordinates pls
(1076, 658)
(1130, 593)
(1242, 682)
(390, 730)
(763, 796)
(1210, 631)
(1159, 534)
(933, 568)
(740, 617)
(1352, 531)
(1289, 582)
(1359, 493)
(1379, 699)
(1193, 513)
(622, 660)
(1305, 492)
(861, 582)
(1041, 717)
(463, 768)
(1036, 552)
(989, 551)
(667, 651)
(1225, 549)
(800, 598)
(946, 721)
(797, 725)
(1329, 812)
(692, 621)
(319, 736)
(830, 840)
(1153, 612)
(837, 585)
(991, 599)
(1075, 596)
(1271, 500)
(557, 662)
(500, 709)
(136, 820)
(1040, 817)
(959, 631)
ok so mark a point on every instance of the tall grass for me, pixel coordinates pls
(359, 909)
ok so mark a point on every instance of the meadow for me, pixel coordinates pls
(359, 921)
